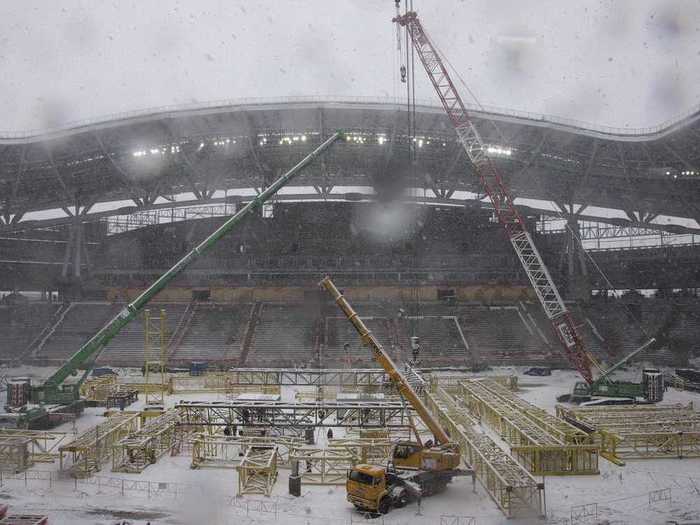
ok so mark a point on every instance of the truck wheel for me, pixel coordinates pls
(384, 505)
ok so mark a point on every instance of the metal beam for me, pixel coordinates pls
(125, 178)
(527, 210)
(281, 414)
(191, 173)
(67, 195)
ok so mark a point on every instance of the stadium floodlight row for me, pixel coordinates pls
(200, 155)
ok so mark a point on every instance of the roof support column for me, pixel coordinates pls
(578, 282)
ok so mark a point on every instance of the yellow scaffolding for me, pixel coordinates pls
(155, 357)
(215, 382)
(43, 446)
(553, 425)
(160, 435)
(227, 452)
(514, 490)
(324, 466)
(542, 443)
(14, 454)
(451, 383)
(98, 389)
(257, 472)
(94, 447)
(640, 432)
(366, 450)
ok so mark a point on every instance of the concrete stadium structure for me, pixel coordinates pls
(79, 203)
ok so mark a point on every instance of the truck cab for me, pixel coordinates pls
(366, 488)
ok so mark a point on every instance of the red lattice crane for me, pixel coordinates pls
(502, 201)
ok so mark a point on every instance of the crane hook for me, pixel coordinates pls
(403, 74)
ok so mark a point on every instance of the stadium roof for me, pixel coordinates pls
(205, 153)
(620, 62)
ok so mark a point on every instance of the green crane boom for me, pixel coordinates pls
(50, 391)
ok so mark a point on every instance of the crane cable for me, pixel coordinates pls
(408, 72)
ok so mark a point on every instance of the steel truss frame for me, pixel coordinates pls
(451, 383)
(227, 452)
(392, 434)
(95, 446)
(640, 432)
(99, 388)
(105, 391)
(257, 472)
(366, 450)
(557, 427)
(122, 398)
(222, 382)
(280, 414)
(324, 466)
(160, 435)
(43, 445)
(512, 488)
(374, 377)
(155, 356)
(14, 454)
(537, 443)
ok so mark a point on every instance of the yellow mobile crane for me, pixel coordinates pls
(415, 469)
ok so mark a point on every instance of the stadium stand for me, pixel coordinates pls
(499, 334)
(277, 334)
(127, 348)
(75, 325)
(21, 326)
(338, 333)
(440, 339)
(283, 337)
(214, 333)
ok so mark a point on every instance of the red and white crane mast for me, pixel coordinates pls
(502, 201)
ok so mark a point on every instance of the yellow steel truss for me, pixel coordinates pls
(509, 485)
(324, 466)
(94, 447)
(257, 472)
(155, 357)
(159, 435)
(227, 452)
(542, 443)
(640, 432)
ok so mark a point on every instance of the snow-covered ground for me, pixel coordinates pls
(206, 496)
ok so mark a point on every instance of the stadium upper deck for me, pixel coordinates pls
(195, 155)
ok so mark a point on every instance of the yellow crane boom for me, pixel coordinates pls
(387, 363)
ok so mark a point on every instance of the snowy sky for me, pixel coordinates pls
(614, 62)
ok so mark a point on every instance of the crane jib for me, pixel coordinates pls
(387, 363)
(129, 313)
(503, 203)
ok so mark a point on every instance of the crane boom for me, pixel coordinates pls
(502, 201)
(387, 363)
(49, 391)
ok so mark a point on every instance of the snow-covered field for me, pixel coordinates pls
(206, 496)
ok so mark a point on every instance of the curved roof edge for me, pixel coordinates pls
(486, 112)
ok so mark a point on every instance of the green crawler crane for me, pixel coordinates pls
(54, 391)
